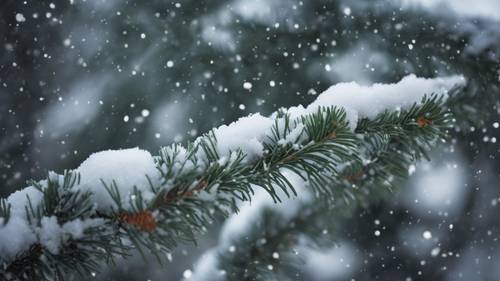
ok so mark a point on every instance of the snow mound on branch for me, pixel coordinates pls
(17, 235)
(368, 101)
(19, 199)
(247, 134)
(127, 168)
(250, 132)
(52, 234)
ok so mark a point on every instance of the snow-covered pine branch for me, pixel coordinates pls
(261, 241)
(120, 200)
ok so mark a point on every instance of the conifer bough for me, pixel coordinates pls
(123, 200)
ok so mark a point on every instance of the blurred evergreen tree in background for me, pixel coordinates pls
(82, 76)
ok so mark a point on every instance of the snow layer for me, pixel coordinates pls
(127, 168)
(248, 133)
(18, 200)
(17, 235)
(51, 234)
(368, 101)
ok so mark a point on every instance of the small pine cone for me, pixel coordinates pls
(423, 122)
(144, 220)
(332, 135)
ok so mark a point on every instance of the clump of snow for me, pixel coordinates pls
(76, 228)
(51, 234)
(295, 135)
(19, 199)
(127, 168)
(15, 236)
(247, 133)
(359, 101)
(18, 234)
(368, 101)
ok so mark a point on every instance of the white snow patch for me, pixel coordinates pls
(368, 101)
(128, 168)
(247, 133)
(359, 101)
(51, 234)
(15, 236)
(19, 200)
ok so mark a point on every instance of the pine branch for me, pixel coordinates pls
(71, 225)
(442, 46)
(267, 250)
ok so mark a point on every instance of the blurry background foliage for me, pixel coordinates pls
(79, 76)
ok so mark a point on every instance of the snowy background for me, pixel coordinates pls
(81, 76)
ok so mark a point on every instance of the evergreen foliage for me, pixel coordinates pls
(178, 214)
(344, 170)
